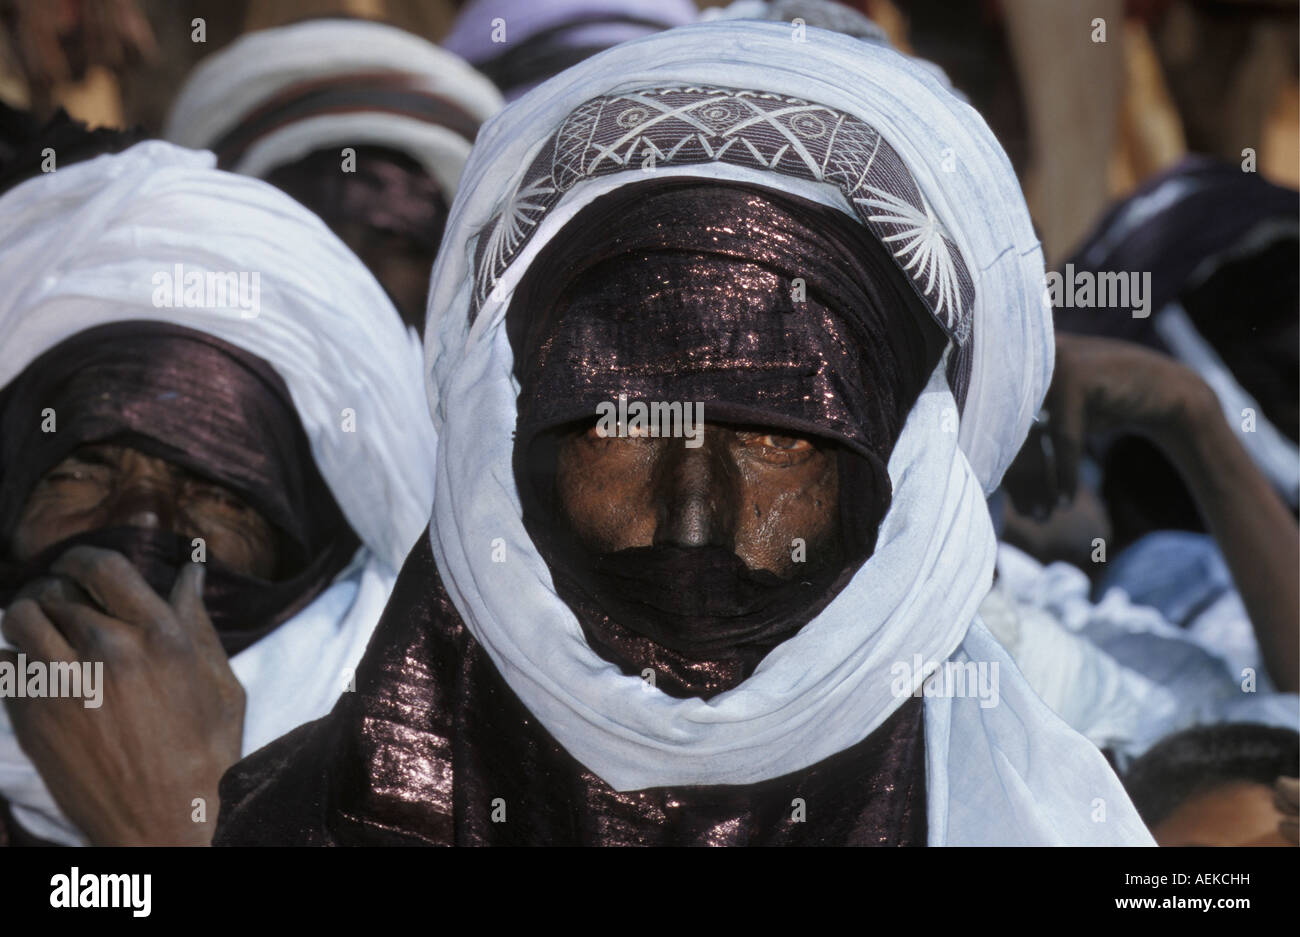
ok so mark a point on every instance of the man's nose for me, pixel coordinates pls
(697, 493)
(144, 502)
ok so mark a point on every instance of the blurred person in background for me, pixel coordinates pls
(366, 125)
(521, 43)
(1225, 785)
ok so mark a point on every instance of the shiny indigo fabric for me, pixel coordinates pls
(766, 309)
(434, 748)
(201, 404)
(387, 191)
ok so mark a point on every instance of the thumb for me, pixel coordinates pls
(186, 597)
(187, 602)
(1067, 432)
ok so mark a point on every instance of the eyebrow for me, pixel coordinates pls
(95, 455)
(109, 455)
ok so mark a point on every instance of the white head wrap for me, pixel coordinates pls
(228, 87)
(824, 14)
(1007, 773)
(85, 246)
(489, 32)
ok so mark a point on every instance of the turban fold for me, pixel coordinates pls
(276, 96)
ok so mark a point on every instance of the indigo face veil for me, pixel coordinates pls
(198, 403)
(389, 209)
(388, 192)
(769, 310)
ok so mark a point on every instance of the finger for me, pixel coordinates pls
(26, 626)
(1066, 430)
(115, 585)
(187, 590)
(53, 588)
(1026, 482)
(13, 703)
(186, 601)
(1286, 794)
(91, 633)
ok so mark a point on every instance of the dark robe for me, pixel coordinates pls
(432, 743)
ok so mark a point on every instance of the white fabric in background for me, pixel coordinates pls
(1113, 706)
(1119, 673)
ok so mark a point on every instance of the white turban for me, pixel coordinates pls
(863, 129)
(275, 65)
(91, 243)
(499, 36)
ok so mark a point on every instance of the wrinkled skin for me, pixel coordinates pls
(751, 490)
(171, 721)
(106, 486)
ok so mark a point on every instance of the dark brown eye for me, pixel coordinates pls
(207, 493)
(785, 443)
(776, 448)
(600, 433)
(66, 475)
(71, 472)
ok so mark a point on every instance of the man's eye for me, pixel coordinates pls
(624, 431)
(215, 494)
(65, 475)
(73, 475)
(784, 443)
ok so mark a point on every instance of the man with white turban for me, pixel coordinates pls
(519, 43)
(765, 631)
(367, 125)
(212, 468)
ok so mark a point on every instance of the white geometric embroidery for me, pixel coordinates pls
(512, 227)
(755, 129)
(924, 240)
